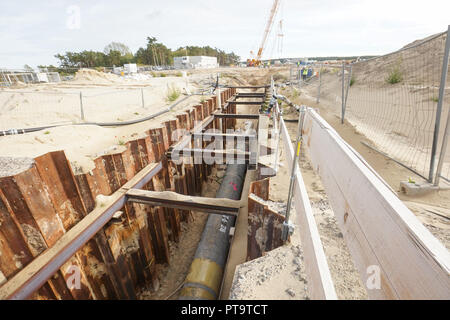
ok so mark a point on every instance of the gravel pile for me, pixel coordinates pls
(10, 166)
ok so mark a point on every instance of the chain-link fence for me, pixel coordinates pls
(393, 101)
(23, 108)
(16, 76)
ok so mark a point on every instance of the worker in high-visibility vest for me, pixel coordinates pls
(304, 73)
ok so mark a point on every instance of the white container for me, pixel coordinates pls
(42, 77)
(130, 68)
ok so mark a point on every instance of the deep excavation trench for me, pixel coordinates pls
(182, 253)
(134, 254)
(143, 252)
(199, 259)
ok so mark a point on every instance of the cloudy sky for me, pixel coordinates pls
(32, 32)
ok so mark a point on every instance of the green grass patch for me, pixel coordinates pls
(395, 76)
(173, 93)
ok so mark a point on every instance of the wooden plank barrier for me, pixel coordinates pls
(382, 234)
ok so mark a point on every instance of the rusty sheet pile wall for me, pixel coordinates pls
(264, 225)
(40, 204)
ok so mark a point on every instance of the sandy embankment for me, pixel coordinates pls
(104, 100)
(277, 275)
(280, 273)
(391, 172)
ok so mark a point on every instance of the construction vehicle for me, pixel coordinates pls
(256, 62)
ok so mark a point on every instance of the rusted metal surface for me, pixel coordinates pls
(264, 225)
(41, 206)
(30, 205)
(67, 201)
(36, 273)
(158, 231)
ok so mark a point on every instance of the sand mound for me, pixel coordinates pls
(420, 65)
(94, 76)
(19, 84)
(419, 41)
(278, 275)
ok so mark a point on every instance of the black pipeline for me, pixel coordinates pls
(206, 272)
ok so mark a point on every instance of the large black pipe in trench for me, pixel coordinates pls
(206, 272)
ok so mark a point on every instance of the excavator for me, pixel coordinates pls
(256, 61)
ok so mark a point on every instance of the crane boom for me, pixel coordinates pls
(269, 25)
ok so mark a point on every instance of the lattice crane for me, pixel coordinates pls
(257, 61)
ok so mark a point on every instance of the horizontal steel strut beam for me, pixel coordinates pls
(251, 95)
(213, 153)
(256, 103)
(171, 199)
(207, 135)
(35, 274)
(247, 87)
(236, 116)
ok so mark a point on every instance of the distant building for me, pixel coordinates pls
(195, 62)
(130, 68)
(12, 77)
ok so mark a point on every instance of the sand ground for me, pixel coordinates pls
(393, 174)
(84, 143)
(268, 278)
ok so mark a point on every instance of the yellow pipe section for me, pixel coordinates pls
(205, 273)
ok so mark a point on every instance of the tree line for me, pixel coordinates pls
(154, 53)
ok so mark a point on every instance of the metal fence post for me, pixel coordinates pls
(348, 87)
(320, 83)
(438, 118)
(142, 97)
(290, 76)
(343, 97)
(300, 78)
(443, 151)
(81, 106)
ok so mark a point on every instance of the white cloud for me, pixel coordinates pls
(33, 31)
